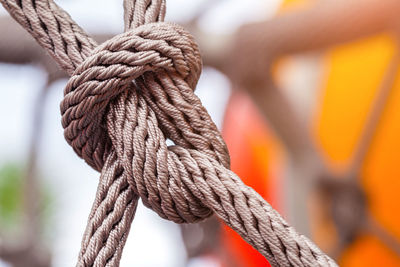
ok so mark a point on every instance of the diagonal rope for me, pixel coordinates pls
(124, 98)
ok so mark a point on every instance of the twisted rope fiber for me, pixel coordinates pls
(124, 98)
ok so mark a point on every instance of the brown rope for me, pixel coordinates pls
(124, 98)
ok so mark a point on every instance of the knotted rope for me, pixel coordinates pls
(124, 98)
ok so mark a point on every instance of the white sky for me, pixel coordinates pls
(73, 182)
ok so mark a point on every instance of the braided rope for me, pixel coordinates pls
(124, 98)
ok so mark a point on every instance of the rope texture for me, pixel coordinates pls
(127, 96)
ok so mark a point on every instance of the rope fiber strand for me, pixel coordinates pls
(124, 98)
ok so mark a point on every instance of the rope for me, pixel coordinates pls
(124, 98)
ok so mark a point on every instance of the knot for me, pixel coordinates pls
(110, 70)
(133, 92)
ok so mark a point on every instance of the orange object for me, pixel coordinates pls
(353, 78)
(352, 75)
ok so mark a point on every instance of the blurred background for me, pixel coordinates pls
(305, 92)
